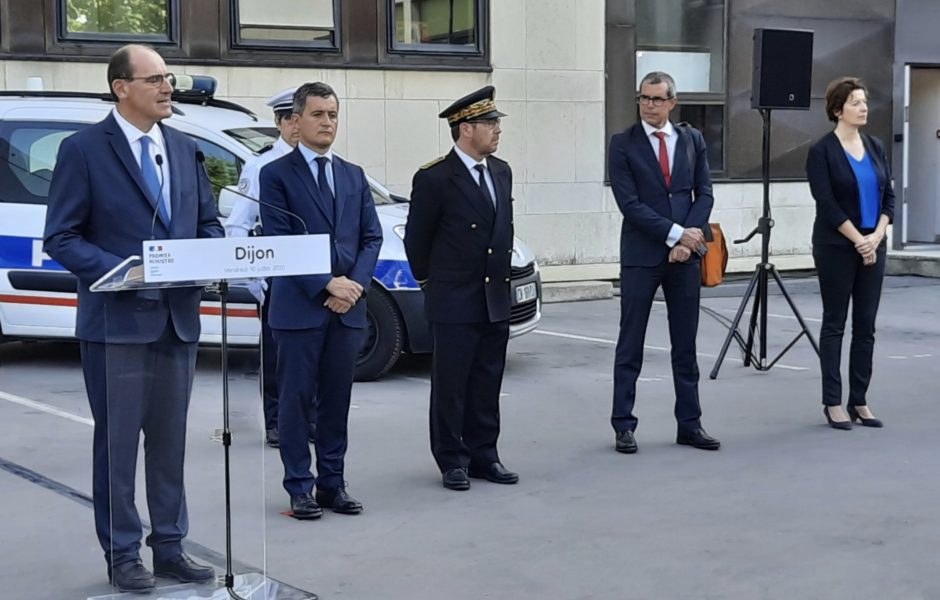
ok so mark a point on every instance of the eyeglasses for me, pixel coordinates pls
(656, 101)
(155, 80)
(488, 123)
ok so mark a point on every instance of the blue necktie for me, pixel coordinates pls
(324, 184)
(152, 180)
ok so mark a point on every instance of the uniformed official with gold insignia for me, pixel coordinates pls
(459, 243)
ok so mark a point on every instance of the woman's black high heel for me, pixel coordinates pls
(853, 414)
(844, 425)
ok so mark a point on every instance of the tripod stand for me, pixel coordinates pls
(759, 283)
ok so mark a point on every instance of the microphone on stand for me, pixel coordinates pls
(202, 158)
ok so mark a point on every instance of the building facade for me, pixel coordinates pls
(565, 72)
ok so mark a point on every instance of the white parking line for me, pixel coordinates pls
(45, 408)
(584, 338)
(747, 315)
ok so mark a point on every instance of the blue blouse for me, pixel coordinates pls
(867, 180)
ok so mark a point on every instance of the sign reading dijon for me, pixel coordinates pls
(235, 258)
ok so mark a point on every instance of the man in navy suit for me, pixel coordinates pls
(319, 321)
(459, 243)
(659, 175)
(117, 183)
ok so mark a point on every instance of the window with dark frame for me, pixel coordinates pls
(686, 38)
(439, 26)
(286, 23)
(117, 20)
(709, 119)
(383, 34)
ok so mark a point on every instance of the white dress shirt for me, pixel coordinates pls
(311, 157)
(157, 148)
(471, 165)
(672, 138)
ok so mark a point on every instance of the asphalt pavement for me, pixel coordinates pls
(787, 509)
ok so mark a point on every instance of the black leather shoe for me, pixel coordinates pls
(494, 472)
(305, 507)
(697, 438)
(271, 438)
(338, 500)
(182, 568)
(872, 422)
(843, 425)
(456, 479)
(131, 577)
(626, 442)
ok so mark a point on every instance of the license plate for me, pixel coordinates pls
(526, 292)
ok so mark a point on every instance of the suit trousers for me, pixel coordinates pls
(315, 368)
(681, 283)
(466, 377)
(268, 366)
(842, 276)
(133, 388)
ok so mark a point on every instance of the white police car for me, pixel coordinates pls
(37, 296)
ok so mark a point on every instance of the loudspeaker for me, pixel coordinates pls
(783, 68)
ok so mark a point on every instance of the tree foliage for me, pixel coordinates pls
(135, 17)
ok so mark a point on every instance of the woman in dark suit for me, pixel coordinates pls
(850, 179)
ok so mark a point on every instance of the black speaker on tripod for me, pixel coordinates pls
(783, 72)
(783, 69)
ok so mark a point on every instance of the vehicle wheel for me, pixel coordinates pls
(384, 339)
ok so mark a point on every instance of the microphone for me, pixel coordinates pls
(159, 199)
(202, 159)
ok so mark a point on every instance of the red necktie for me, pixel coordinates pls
(663, 157)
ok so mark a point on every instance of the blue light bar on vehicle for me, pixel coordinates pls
(195, 86)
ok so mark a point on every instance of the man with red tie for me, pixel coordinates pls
(659, 175)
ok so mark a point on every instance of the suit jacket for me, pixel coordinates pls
(355, 235)
(835, 189)
(99, 213)
(460, 245)
(649, 207)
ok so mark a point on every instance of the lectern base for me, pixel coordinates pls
(250, 586)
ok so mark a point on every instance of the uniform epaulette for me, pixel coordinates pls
(431, 163)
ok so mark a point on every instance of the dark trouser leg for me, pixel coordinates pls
(866, 294)
(297, 371)
(164, 426)
(637, 289)
(337, 367)
(481, 411)
(268, 368)
(682, 286)
(454, 348)
(835, 267)
(115, 369)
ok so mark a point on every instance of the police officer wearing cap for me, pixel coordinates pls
(244, 221)
(459, 240)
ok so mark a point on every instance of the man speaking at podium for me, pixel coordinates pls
(117, 183)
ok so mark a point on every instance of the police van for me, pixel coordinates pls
(37, 295)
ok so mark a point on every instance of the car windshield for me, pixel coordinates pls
(254, 138)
